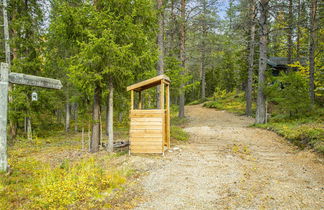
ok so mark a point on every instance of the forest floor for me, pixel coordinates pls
(228, 165)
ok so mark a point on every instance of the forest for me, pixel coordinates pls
(259, 59)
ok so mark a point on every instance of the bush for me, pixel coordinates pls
(290, 92)
(179, 134)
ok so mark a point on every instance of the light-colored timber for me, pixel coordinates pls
(150, 129)
(149, 83)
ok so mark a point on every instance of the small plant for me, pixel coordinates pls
(179, 134)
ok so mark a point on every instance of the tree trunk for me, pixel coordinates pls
(95, 137)
(182, 56)
(67, 116)
(203, 52)
(251, 60)
(160, 65)
(29, 129)
(12, 122)
(298, 31)
(312, 40)
(290, 32)
(6, 32)
(203, 77)
(173, 29)
(25, 124)
(261, 108)
(76, 114)
(107, 116)
(120, 116)
(110, 146)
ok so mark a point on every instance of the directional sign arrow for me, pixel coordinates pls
(23, 79)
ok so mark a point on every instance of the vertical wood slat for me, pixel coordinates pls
(132, 99)
(162, 95)
(162, 108)
(167, 98)
(140, 100)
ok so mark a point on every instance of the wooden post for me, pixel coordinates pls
(163, 116)
(167, 98)
(7, 77)
(132, 99)
(140, 100)
(4, 83)
(162, 95)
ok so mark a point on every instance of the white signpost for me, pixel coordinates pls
(21, 79)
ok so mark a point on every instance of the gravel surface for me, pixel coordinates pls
(228, 165)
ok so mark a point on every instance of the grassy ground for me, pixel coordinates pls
(57, 172)
(305, 131)
(177, 124)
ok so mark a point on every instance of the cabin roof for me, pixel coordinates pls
(277, 62)
(149, 83)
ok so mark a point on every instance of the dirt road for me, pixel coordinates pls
(228, 165)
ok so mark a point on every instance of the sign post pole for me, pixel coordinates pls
(4, 83)
(7, 77)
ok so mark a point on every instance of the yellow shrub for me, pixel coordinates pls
(84, 181)
(304, 71)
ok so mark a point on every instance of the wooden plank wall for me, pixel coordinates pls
(146, 131)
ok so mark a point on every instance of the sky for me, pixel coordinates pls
(223, 6)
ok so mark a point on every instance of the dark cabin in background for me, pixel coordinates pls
(277, 65)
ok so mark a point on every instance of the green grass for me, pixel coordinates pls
(199, 101)
(179, 134)
(232, 102)
(177, 124)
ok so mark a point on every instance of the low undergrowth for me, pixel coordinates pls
(232, 102)
(55, 173)
(35, 185)
(179, 134)
(300, 133)
(177, 124)
(199, 101)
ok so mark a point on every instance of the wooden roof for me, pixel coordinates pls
(149, 83)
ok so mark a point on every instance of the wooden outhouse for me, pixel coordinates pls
(150, 128)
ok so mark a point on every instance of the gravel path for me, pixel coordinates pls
(228, 165)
